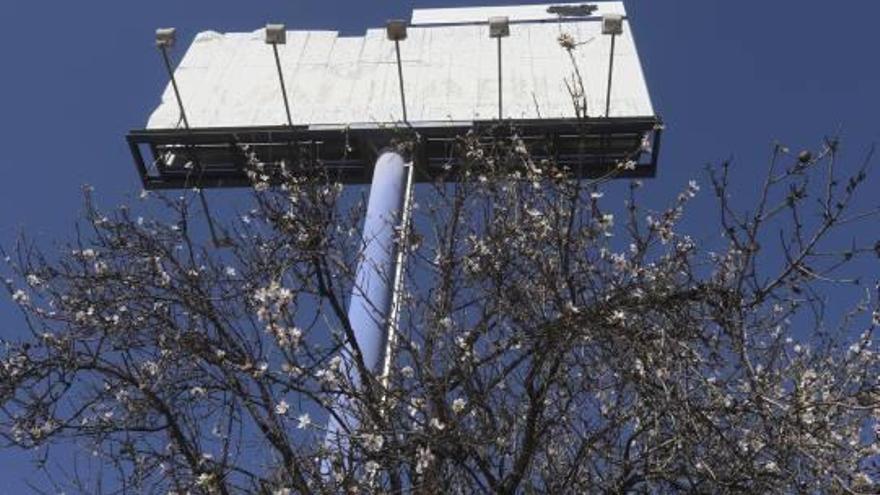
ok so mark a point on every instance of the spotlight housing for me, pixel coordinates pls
(166, 37)
(612, 24)
(499, 27)
(396, 30)
(276, 34)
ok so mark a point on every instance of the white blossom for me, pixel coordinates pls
(862, 481)
(20, 297)
(282, 407)
(261, 369)
(371, 468)
(151, 368)
(204, 479)
(566, 40)
(303, 421)
(424, 458)
(617, 316)
(100, 267)
(373, 442)
(87, 254)
(627, 165)
(640, 367)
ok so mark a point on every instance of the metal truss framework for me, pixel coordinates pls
(216, 157)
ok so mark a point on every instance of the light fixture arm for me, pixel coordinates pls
(499, 27)
(612, 24)
(500, 84)
(400, 80)
(396, 31)
(276, 34)
(165, 39)
(610, 77)
(163, 45)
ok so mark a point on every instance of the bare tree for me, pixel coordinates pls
(545, 345)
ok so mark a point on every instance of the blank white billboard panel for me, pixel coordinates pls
(449, 67)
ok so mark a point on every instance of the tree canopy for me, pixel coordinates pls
(549, 341)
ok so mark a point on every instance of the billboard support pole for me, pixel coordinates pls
(375, 297)
(401, 249)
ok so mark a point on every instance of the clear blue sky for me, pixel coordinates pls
(729, 77)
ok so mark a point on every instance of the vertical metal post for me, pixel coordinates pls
(610, 77)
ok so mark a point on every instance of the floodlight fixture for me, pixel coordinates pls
(499, 27)
(612, 24)
(396, 30)
(276, 34)
(165, 37)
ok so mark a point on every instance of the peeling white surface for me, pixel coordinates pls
(516, 13)
(450, 74)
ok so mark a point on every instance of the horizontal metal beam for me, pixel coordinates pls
(215, 157)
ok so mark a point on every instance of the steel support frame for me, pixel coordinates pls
(347, 154)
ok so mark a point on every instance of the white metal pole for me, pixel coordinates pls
(374, 300)
(399, 272)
